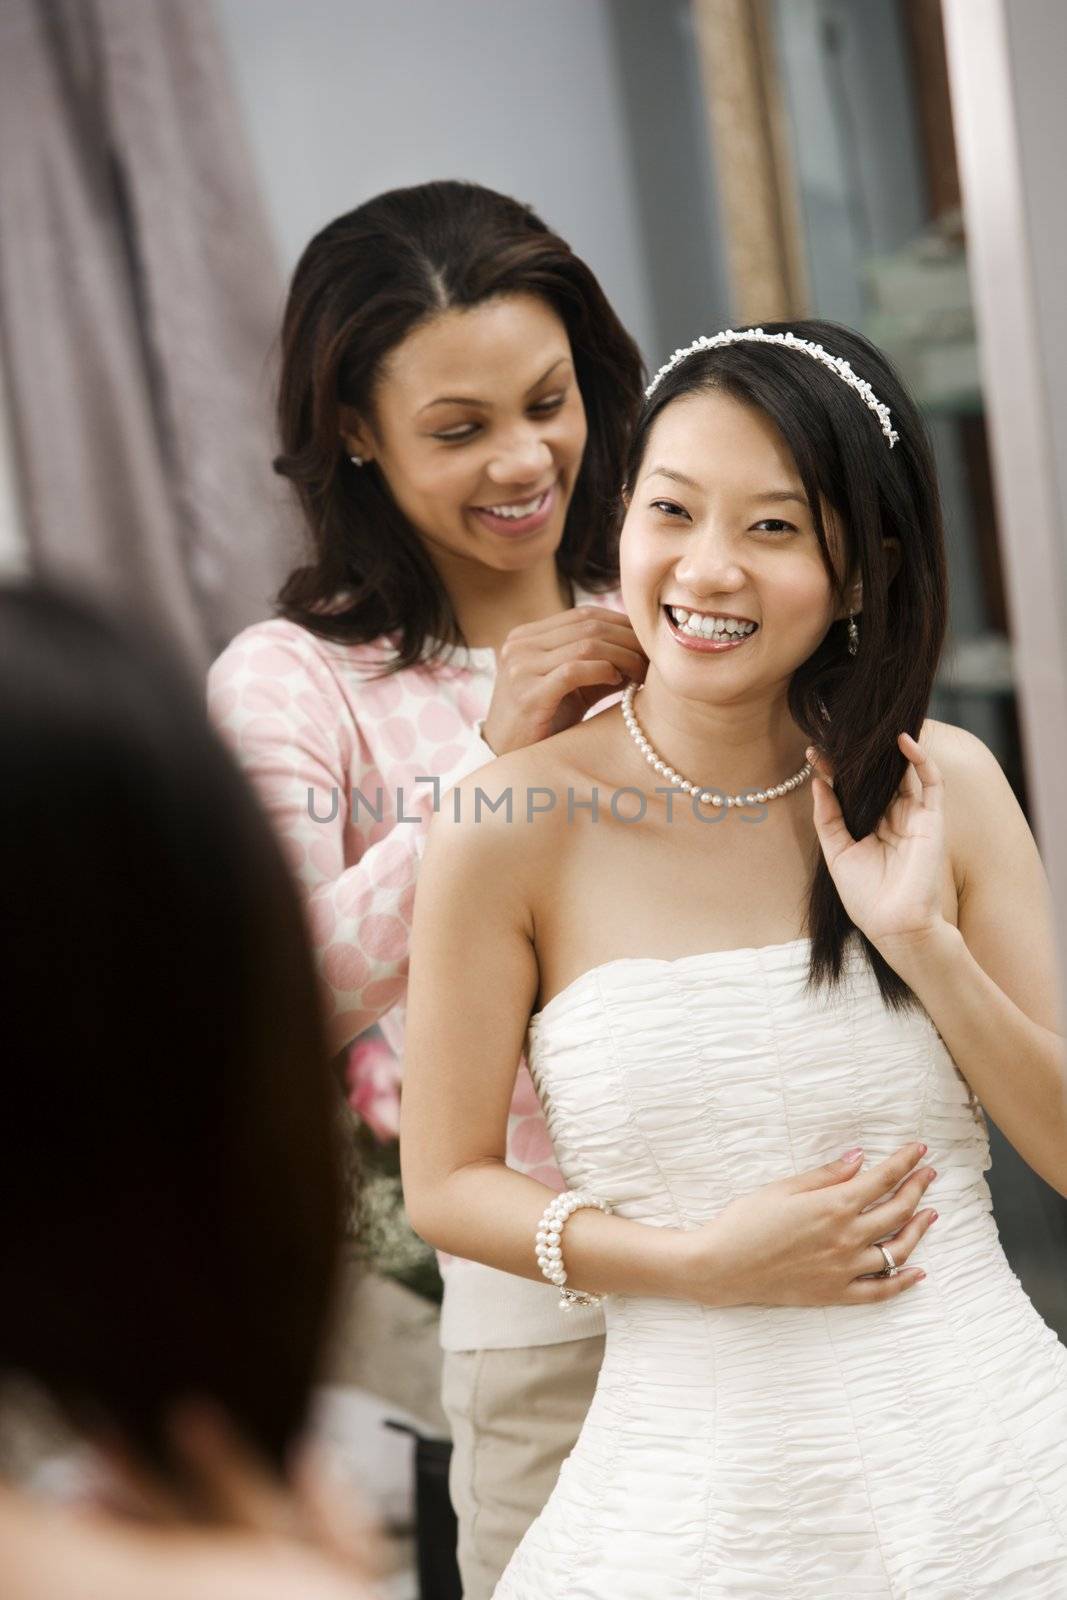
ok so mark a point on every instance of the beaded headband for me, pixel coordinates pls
(836, 364)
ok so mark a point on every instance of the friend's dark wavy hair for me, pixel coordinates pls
(362, 285)
(851, 707)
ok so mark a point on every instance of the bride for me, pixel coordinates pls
(761, 913)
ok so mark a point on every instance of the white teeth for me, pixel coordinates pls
(516, 511)
(699, 626)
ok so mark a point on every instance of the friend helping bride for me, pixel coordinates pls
(772, 939)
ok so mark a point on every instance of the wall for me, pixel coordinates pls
(345, 98)
(14, 557)
(667, 133)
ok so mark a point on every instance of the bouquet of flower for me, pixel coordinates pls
(386, 1239)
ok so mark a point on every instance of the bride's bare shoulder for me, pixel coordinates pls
(513, 809)
(978, 798)
(962, 757)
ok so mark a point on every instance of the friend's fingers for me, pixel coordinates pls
(580, 675)
(570, 624)
(628, 660)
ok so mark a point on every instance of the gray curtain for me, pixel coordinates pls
(139, 303)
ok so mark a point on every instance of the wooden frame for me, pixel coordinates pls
(751, 151)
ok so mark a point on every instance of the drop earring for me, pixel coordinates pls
(853, 634)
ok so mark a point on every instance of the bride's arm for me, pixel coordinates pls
(991, 985)
(807, 1239)
(473, 981)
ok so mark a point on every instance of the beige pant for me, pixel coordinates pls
(515, 1415)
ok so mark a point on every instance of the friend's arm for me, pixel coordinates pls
(275, 697)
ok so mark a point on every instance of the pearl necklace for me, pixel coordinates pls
(655, 760)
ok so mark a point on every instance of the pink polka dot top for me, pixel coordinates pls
(335, 756)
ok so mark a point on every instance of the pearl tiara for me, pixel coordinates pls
(836, 364)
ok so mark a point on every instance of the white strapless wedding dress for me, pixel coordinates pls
(911, 1450)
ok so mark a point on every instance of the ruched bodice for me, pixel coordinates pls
(910, 1450)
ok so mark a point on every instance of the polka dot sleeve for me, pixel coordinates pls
(290, 709)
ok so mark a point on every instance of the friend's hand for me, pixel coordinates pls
(551, 672)
(889, 882)
(811, 1240)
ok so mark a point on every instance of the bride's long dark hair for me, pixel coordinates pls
(852, 707)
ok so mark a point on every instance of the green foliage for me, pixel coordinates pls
(383, 1235)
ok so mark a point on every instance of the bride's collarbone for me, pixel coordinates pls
(586, 820)
(612, 890)
(657, 871)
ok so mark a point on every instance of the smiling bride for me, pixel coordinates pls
(815, 945)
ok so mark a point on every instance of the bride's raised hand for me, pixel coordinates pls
(890, 881)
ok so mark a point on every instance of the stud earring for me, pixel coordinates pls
(357, 461)
(853, 635)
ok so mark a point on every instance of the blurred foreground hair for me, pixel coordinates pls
(169, 1187)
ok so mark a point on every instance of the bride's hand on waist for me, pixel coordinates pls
(812, 1239)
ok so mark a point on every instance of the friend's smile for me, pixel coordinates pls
(513, 518)
(518, 508)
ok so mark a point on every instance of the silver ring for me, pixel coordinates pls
(890, 1269)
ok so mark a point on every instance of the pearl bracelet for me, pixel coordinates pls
(550, 1250)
